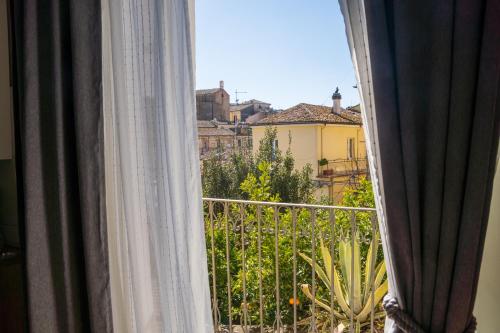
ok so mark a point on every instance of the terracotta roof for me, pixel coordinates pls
(238, 107)
(205, 123)
(207, 91)
(311, 114)
(255, 101)
(204, 131)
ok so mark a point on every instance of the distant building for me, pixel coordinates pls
(330, 139)
(218, 138)
(212, 104)
(240, 112)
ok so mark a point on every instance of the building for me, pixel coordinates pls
(240, 112)
(329, 138)
(215, 137)
(212, 104)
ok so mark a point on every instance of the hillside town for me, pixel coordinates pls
(329, 139)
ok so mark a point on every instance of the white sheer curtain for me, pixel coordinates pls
(159, 277)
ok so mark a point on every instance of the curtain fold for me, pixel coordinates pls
(429, 75)
(159, 277)
(58, 76)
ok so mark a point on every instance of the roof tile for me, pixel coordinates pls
(309, 113)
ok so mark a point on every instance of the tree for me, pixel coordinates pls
(222, 176)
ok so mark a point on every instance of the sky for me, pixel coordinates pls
(283, 52)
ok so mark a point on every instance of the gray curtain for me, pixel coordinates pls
(59, 112)
(429, 74)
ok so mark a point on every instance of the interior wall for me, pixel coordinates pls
(487, 306)
(5, 96)
(8, 195)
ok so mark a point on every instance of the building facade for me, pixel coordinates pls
(240, 112)
(217, 138)
(212, 104)
(329, 139)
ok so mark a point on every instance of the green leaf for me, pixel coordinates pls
(327, 260)
(379, 294)
(370, 265)
(319, 271)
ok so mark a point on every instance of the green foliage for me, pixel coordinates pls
(359, 196)
(323, 161)
(229, 222)
(356, 290)
(222, 176)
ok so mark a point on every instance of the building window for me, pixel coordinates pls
(350, 149)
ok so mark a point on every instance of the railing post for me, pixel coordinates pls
(277, 267)
(243, 265)
(259, 259)
(313, 276)
(214, 277)
(228, 268)
(294, 246)
(372, 271)
(351, 298)
(332, 269)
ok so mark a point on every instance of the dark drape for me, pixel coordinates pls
(435, 70)
(58, 88)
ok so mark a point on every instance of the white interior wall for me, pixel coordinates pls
(487, 309)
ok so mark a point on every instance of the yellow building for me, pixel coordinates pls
(330, 139)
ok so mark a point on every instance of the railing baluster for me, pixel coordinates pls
(277, 267)
(243, 265)
(332, 268)
(214, 278)
(294, 245)
(259, 253)
(228, 268)
(372, 270)
(351, 298)
(313, 258)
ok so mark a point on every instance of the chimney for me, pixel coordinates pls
(221, 84)
(336, 97)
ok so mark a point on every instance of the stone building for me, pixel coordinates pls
(213, 104)
(215, 137)
(240, 112)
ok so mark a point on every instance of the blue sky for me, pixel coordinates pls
(280, 51)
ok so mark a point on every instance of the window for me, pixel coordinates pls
(350, 149)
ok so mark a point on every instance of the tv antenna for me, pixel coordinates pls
(236, 92)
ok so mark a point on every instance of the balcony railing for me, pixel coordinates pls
(342, 167)
(268, 260)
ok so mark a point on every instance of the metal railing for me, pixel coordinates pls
(268, 261)
(342, 167)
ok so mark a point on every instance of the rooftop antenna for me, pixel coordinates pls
(236, 92)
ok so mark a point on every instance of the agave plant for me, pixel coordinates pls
(353, 289)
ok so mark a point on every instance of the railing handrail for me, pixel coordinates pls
(340, 160)
(286, 204)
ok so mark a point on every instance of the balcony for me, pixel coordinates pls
(342, 167)
(268, 261)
